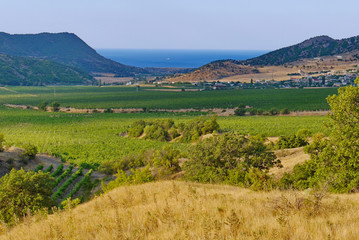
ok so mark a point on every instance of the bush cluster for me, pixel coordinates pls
(233, 159)
(165, 129)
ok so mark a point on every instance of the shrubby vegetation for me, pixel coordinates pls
(334, 160)
(23, 193)
(166, 130)
(292, 141)
(233, 159)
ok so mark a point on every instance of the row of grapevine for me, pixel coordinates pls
(58, 171)
(86, 179)
(62, 176)
(60, 191)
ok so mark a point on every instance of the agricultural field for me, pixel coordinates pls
(92, 138)
(86, 97)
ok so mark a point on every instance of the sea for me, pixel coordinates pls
(175, 58)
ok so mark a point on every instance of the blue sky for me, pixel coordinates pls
(184, 24)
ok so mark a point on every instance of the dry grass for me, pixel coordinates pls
(289, 158)
(180, 210)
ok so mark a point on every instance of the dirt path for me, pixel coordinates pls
(217, 111)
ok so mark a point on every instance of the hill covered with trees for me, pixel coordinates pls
(64, 48)
(27, 71)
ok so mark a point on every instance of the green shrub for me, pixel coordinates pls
(55, 106)
(137, 176)
(273, 111)
(285, 111)
(292, 141)
(229, 158)
(23, 193)
(137, 128)
(30, 151)
(43, 106)
(304, 133)
(2, 140)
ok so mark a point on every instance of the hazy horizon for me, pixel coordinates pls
(185, 24)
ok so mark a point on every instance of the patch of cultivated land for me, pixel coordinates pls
(181, 210)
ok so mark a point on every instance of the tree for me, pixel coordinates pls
(43, 106)
(24, 192)
(334, 160)
(55, 106)
(228, 158)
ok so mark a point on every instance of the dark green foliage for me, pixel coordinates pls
(86, 180)
(137, 128)
(229, 158)
(198, 127)
(166, 130)
(64, 48)
(38, 168)
(30, 151)
(60, 191)
(43, 106)
(334, 160)
(24, 192)
(108, 110)
(20, 71)
(49, 169)
(55, 106)
(166, 161)
(2, 140)
(62, 177)
(273, 111)
(292, 141)
(285, 111)
(241, 110)
(58, 171)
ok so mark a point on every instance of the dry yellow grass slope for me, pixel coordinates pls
(180, 210)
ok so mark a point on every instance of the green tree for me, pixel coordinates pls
(334, 160)
(228, 157)
(24, 192)
(43, 106)
(55, 106)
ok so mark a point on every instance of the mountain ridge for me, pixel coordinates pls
(319, 46)
(65, 48)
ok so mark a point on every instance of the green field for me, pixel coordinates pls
(128, 97)
(93, 138)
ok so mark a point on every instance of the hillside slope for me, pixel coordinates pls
(65, 48)
(180, 210)
(311, 48)
(29, 71)
(315, 47)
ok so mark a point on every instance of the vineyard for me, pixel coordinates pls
(88, 139)
(131, 97)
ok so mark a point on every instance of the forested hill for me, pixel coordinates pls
(65, 48)
(29, 71)
(311, 48)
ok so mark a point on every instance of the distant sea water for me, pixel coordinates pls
(175, 58)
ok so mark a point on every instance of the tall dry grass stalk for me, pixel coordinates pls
(180, 210)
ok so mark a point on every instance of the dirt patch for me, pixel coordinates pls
(218, 111)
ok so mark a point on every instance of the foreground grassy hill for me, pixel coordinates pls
(180, 210)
